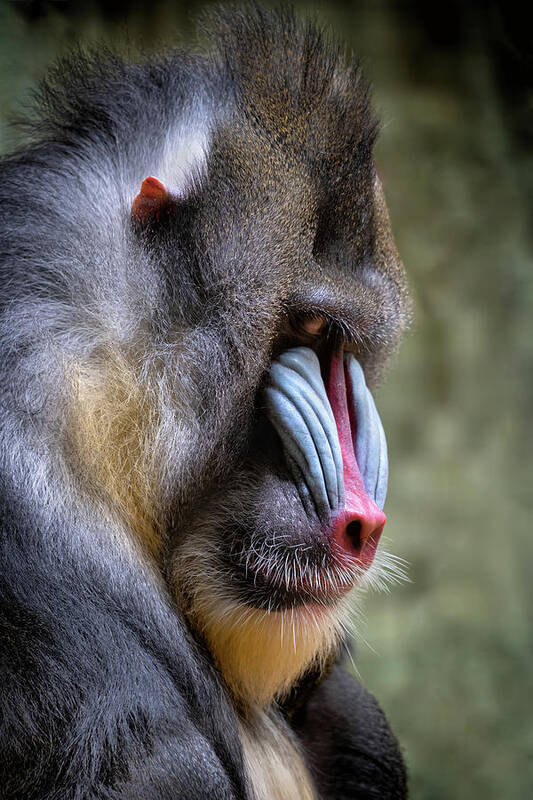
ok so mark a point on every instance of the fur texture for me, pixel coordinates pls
(137, 471)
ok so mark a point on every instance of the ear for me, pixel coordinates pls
(153, 202)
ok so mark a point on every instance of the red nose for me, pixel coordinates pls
(356, 528)
(356, 534)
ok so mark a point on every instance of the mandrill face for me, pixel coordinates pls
(292, 519)
(285, 295)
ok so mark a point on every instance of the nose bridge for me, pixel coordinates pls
(359, 524)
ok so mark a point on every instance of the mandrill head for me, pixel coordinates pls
(286, 295)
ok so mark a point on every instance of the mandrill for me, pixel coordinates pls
(198, 282)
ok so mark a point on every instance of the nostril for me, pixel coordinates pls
(353, 532)
(356, 534)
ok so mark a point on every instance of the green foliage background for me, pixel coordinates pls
(451, 655)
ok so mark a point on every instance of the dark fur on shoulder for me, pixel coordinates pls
(130, 366)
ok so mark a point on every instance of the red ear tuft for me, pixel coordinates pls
(150, 202)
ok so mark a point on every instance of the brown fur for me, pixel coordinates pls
(260, 653)
(110, 430)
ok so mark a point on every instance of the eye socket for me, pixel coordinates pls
(297, 329)
(315, 325)
(310, 325)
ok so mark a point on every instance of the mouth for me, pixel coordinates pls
(335, 453)
(287, 577)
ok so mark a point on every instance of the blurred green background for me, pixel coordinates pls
(451, 652)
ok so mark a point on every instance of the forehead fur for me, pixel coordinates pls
(294, 83)
(298, 147)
